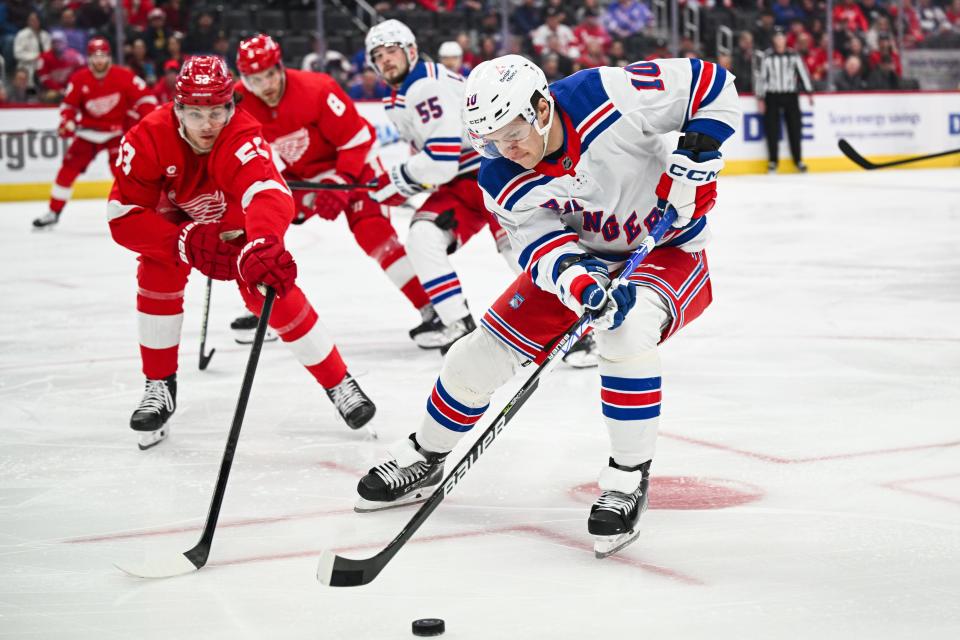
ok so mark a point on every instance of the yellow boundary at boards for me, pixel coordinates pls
(100, 189)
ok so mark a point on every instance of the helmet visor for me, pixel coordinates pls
(499, 142)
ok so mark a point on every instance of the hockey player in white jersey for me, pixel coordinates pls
(578, 176)
(425, 106)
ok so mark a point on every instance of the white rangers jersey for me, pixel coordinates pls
(594, 195)
(426, 111)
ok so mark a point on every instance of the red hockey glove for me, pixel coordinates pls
(67, 128)
(326, 203)
(690, 184)
(265, 261)
(201, 246)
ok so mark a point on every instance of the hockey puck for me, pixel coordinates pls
(428, 627)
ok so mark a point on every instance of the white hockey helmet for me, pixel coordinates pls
(391, 32)
(499, 91)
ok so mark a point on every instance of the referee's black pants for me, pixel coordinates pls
(789, 104)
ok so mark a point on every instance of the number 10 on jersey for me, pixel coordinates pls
(645, 70)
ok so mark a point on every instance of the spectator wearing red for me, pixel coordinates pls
(814, 57)
(54, 67)
(953, 14)
(566, 41)
(592, 55)
(137, 12)
(166, 87)
(886, 50)
(590, 30)
(176, 16)
(849, 15)
(796, 28)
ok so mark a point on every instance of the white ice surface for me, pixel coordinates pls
(806, 484)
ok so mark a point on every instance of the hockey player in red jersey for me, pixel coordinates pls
(316, 131)
(98, 102)
(197, 189)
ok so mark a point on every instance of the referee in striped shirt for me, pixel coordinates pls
(776, 87)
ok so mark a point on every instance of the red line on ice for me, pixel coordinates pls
(781, 460)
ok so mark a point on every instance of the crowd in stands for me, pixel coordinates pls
(43, 42)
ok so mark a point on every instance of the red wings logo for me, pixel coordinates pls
(206, 207)
(292, 146)
(103, 105)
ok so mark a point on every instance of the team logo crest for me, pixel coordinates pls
(292, 146)
(206, 207)
(103, 105)
(516, 301)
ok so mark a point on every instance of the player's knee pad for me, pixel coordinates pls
(476, 366)
(640, 332)
(427, 239)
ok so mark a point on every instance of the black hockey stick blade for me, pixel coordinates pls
(855, 157)
(168, 565)
(300, 185)
(205, 357)
(336, 571)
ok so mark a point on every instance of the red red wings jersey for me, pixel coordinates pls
(163, 182)
(104, 104)
(54, 72)
(315, 128)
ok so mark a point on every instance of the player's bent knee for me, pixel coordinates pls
(477, 365)
(640, 332)
(426, 238)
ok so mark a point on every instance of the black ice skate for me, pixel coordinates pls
(46, 221)
(432, 333)
(583, 354)
(354, 406)
(158, 404)
(614, 516)
(409, 477)
(244, 328)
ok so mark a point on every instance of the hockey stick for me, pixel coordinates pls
(336, 571)
(205, 358)
(852, 153)
(170, 565)
(299, 185)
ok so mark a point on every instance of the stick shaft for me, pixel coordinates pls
(858, 159)
(198, 555)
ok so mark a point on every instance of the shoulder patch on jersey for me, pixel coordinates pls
(506, 182)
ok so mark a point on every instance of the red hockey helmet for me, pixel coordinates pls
(257, 53)
(204, 81)
(98, 45)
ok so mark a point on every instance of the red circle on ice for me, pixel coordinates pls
(680, 492)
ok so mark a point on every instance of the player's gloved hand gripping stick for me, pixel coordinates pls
(337, 571)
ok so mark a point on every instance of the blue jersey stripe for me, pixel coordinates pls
(615, 383)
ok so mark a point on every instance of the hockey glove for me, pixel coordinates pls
(200, 246)
(67, 128)
(690, 183)
(327, 204)
(584, 285)
(265, 261)
(394, 187)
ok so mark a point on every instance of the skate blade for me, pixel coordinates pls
(604, 546)
(420, 495)
(246, 337)
(150, 439)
